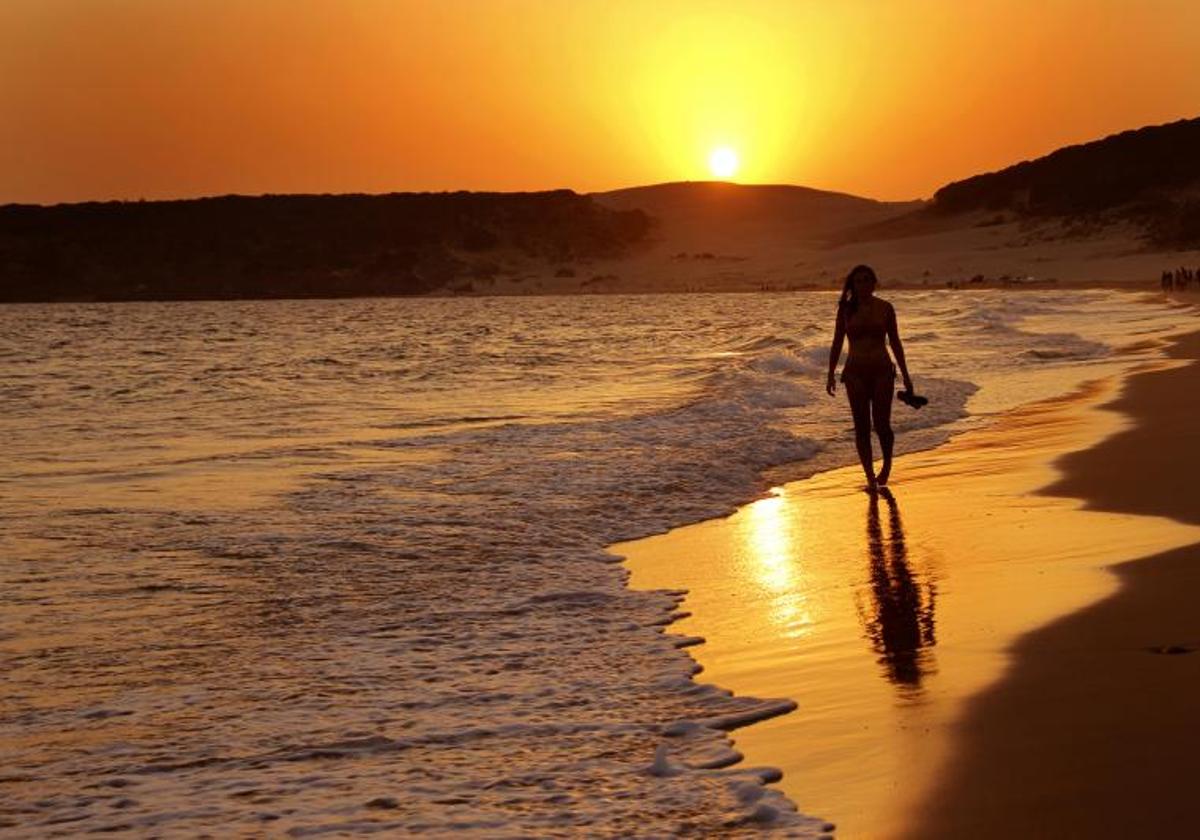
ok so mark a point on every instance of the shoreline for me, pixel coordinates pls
(739, 653)
(1092, 731)
(1147, 286)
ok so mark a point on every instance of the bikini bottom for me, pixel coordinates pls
(870, 374)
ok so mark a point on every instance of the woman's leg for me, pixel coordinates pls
(881, 413)
(859, 395)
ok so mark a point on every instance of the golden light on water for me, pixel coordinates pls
(769, 535)
(772, 557)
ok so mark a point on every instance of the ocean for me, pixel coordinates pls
(338, 567)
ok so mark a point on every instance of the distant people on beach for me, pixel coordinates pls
(1179, 279)
(869, 374)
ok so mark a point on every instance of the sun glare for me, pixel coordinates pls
(723, 162)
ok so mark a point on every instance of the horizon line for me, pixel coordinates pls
(652, 185)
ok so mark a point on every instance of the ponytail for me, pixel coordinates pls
(848, 302)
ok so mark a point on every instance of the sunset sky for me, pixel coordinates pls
(108, 99)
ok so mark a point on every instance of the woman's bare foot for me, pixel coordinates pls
(882, 478)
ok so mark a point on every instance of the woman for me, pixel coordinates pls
(869, 375)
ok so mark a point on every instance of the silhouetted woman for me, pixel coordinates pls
(869, 375)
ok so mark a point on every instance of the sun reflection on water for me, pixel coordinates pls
(773, 553)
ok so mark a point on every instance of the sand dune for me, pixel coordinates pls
(717, 214)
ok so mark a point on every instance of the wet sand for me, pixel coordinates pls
(901, 624)
(1093, 731)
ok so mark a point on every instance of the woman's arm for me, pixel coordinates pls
(893, 334)
(835, 351)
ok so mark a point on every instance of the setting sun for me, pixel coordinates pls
(723, 162)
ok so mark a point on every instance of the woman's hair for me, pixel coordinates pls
(849, 299)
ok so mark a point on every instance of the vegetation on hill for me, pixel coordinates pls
(1150, 175)
(276, 246)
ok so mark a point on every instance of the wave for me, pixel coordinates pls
(765, 342)
(785, 363)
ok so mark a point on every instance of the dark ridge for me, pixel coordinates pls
(758, 194)
(289, 246)
(1150, 175)
(784, 207)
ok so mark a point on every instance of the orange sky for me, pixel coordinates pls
(886, 98)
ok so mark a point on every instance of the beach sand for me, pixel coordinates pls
(905, 626)
(1093, 731)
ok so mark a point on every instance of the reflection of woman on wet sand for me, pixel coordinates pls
(900, 622)
(869, 375)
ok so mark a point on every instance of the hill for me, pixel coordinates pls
(1149, 175)
(298, 245)
(719, 214)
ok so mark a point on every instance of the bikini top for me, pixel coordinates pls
(867, 327)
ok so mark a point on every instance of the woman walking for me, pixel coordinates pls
(869, 375)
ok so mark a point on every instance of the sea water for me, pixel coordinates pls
(309, 567)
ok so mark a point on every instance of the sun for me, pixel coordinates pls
(723, 162)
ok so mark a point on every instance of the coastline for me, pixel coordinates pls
(1092, 731)
(763, 556)
(556, 289)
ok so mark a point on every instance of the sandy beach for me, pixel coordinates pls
(1092, 731)
(941, 691)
